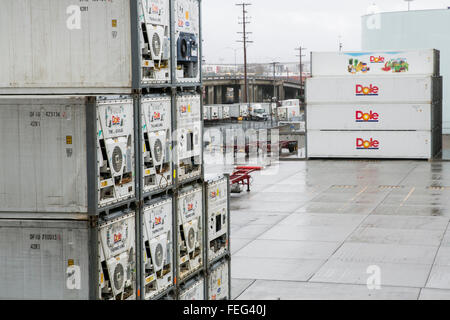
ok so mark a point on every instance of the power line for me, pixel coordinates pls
(245, 41)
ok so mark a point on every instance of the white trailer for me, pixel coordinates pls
(379, 63)
(382, 89)
(372, 144)
(288, 113)
(355, 116)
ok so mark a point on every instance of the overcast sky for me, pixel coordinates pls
(279, 26)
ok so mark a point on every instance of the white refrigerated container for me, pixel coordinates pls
(377, 63)
(372, 144)
(65, 46)
(68, 259)
(48, 146)
(381, 89)
(372, 116)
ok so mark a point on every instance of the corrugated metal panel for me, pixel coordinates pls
(43, 155)
(370, 117)
(374, 90)
(370, 144)
(44, 260)
(65, 46)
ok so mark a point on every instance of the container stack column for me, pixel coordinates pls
(375, 105)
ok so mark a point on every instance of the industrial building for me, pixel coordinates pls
(409, 30)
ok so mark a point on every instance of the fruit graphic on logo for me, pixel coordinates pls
(396, 65)
(355, 66)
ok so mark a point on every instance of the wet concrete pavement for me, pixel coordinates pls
(323, 229)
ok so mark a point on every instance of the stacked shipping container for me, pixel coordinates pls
(101, 143)
(375, 105)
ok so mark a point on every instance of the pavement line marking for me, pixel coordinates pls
(359, 193)
(407, 197)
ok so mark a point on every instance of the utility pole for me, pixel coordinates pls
(409, 4)
(274, 80)
(301, 55)
(245, 41)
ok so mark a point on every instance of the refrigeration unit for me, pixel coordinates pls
(77, 259)
(190, 231)
(189, 137)
(206, 112)
(118, 258)
(193, 290)
(154, 30)
(66, 154)
(157, 142)
(217, 217)
(187, 40)
(225, 113)
(219, 281)
(158, 247)
(215, 112)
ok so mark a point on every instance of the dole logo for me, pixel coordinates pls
(371, 144)
(156, 116)
(117, 237)
(379, 59)
(367, 117)
(158, 221)
(155, 8)
(183, 109)
(371, 90)
(115, 120)
(190, 206)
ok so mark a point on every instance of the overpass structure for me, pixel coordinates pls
(260, 89)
